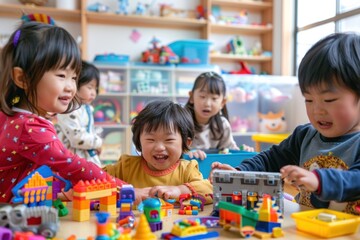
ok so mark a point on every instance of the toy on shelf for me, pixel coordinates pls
(111, 58)
(326, 223)
(152, 211)
(107, 110)
(98, 7)
(272, 122)
(226, 183)
(42, 220)
(236, 46)
(122, 7)
(140, 9)
(159, 55)
(188, 229)
(194, 51)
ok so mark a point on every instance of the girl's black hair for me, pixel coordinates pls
(88, 73)
(215, 84)
(334, 59)
(163, 114)
(35, 48)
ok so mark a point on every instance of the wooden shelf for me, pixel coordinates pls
(16, 11)
(145, 21)
(240, 29)
(248, 4)
(231, 57)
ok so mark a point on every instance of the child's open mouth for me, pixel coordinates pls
(324, 124)
(161, 157)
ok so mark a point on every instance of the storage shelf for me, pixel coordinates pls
(243, 4)
(240, 29)
(232, 57)
(16, 11)
(145, 21)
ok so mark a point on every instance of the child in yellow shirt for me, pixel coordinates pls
(162, 131)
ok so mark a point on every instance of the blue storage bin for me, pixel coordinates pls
(234, 158)
(195, 51)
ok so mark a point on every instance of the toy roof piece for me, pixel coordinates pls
(225, 183)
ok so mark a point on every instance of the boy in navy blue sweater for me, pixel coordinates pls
(322, 158)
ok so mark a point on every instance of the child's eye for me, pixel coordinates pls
(330, 100)
(61, 75)
(308, 100)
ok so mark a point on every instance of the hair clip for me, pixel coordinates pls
(15, 100)
(16, 37)
(38, 17)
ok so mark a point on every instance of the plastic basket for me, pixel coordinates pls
(192, 51)
(344, 224)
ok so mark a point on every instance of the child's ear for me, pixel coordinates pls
(191, 97)
(223, 102)
(188, 142)
(18, 77)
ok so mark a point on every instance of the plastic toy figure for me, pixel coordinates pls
(123, 7)
(140, 9)
(126, 199)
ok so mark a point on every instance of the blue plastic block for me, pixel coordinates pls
(266, 226)
(234, 158)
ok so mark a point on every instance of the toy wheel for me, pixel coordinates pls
(247, 231)
(227, 226)
(48, 230)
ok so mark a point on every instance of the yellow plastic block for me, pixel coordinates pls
(81, 215)
(108, 208)
(277, 232)
(344, 224)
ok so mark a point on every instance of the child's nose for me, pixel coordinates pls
(159, 146)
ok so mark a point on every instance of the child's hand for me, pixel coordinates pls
(197, 154)
(167, 192)
(218, 165)
(141, 194)
(300, 177)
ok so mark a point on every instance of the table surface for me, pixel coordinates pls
(88, 228)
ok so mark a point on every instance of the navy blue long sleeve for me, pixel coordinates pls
(336, 160)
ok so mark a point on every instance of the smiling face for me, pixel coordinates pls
(87, 92)
(333, 111)
(55, 91)
(161, 148)
(206, 104)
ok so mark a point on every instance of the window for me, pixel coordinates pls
(319, 18)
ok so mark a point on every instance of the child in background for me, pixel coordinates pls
(322, 158)
(207, 104)
(39, 70)
(162, 131)
(76, 129)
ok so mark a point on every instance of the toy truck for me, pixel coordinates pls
(41, 220)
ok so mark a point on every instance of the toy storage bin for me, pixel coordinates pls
(112, 79)
(194, 51)
(150, 80)
(275, 95)
(109, 109)
(113, 144)
(307, 221)
(234, 158)
(185, 77)
(242, 102)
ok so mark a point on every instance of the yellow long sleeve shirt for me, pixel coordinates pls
(134, 170)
